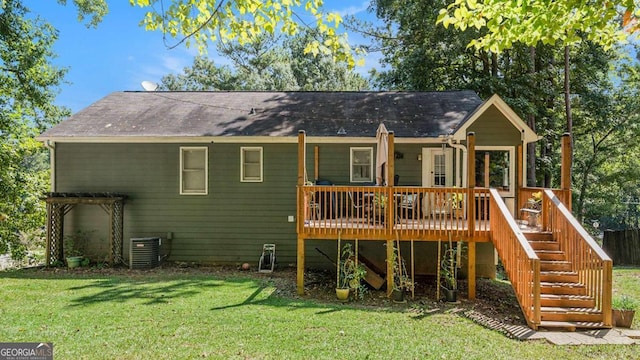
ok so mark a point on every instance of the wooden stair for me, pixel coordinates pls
(564, 303)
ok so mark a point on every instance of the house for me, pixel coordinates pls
(219, 174)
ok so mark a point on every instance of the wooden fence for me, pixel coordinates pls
(623, 246)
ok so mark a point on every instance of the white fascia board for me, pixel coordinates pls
(228, 139)
(527, 134)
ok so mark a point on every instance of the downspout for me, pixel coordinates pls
(52, 162)
(459, 147)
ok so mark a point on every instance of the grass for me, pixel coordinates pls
(171, 315)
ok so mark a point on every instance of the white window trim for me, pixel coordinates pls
(428, 166)
(512, 166)
(206, 170)
(370, 165)
(251, 148)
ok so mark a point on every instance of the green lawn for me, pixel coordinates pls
(173, 315)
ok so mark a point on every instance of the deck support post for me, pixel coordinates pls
(471, 215)
(471, 183)
(565, 167)
(391, 160)
(389, 267)
(300, 264)
(471, 270)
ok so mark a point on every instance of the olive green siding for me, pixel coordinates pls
(334, 163)
(228, 225)
(232, 222)
(493, 129)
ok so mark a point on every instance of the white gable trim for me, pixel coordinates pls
(229, 139)
(527, 135)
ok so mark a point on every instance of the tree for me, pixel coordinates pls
(203, 75)
(27, 90)
(423, 56)
(267, 64)
(244, 21)
(606, 142)
(508, 22)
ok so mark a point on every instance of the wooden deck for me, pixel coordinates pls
(425, 229)
(562, 279)
(413, 213)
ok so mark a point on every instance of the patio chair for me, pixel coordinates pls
(408, 206)
(314, 207)
(358, 206)
(439, 205)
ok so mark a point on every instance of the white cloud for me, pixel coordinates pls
(353, 10)
(174, 64)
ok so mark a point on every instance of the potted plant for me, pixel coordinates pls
(535, 201)
(457, 205)
(350, 274)
(401, 281)
(623, 310)
(379, 203)
(533, 208)
(449, 272)
(74, 245)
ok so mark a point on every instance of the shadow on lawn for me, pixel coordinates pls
(168, 285)
(150, 293)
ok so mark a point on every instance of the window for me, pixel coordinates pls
(251, 164)
(362, 164)
(496, 166)
(193, 170)
(439, 169)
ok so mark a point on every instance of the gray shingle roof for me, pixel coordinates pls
(160, 114)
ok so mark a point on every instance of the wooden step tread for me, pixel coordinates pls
(536, 233)
(569, 310)
(549, 252)
(530, 235)
(566, 296)
(556, 255)
(558, 272)
(544, 245)
(572, 325)
(561, 284)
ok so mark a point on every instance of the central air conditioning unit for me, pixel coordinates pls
(144, 253)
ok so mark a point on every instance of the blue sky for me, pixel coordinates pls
(119, 54)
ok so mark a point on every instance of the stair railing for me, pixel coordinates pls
(521, 263)
(593, 265)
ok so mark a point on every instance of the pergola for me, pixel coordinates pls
(59, 204)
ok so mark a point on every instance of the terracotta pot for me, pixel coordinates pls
(622, 318)
(342, 294)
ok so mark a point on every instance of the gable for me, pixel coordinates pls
(500, 118)
(493, 129)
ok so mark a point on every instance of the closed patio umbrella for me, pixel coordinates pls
(382, 140)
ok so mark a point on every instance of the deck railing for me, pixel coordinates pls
(380, 212)
(592, 264)
(521, 263)
(524, 194)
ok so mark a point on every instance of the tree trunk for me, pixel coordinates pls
(531, 121)
(567, 103)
